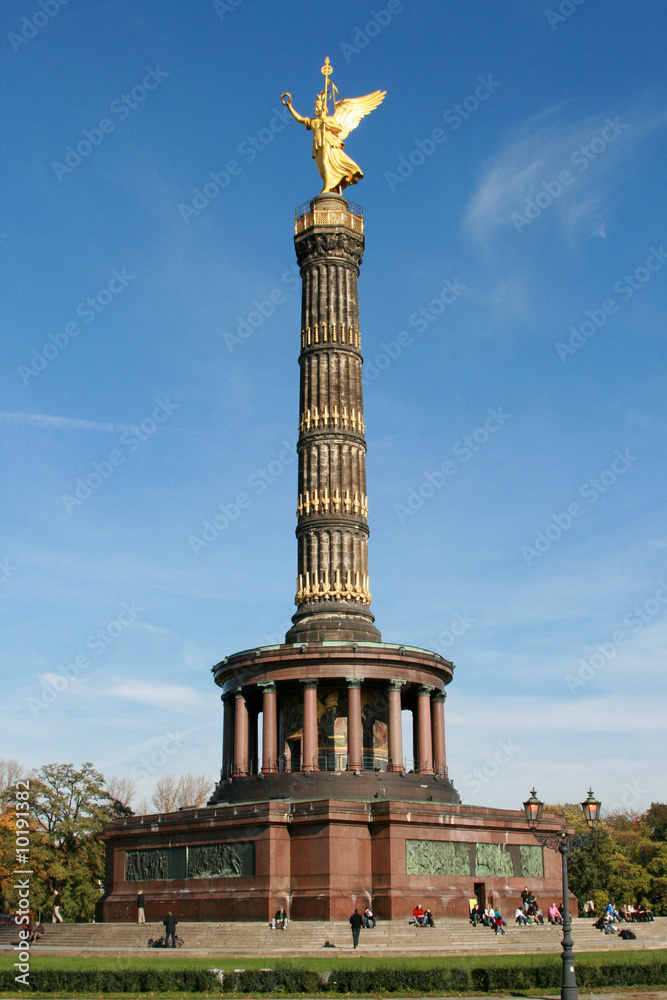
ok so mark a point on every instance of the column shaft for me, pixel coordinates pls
(355, 736)
(438, 723)
(424, 724)
(227, 735)
(241, 736)
(395, 728)
(309, 745)
(333, 595)
(270, 733)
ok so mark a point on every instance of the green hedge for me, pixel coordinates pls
(65, 981)
(445, 979)
(402, 979)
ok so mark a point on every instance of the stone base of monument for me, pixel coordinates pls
(331, 785)
(320, 858)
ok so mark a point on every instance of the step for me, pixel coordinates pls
(389, 937)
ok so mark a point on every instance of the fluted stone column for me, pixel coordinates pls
(355, 735)
(270, 728)
(309, 745)
(424, 728)
(395, 726)
(333, 595)
(240, 735)
(438, 727)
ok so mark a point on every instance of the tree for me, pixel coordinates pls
(164, 794)
(38, 855)
(71, 805)
(590, 868)
(189, 790)
(656, 820)
(11, 771)
(625, 860)
(122, 791)
(193, 790)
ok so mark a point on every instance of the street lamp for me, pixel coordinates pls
(562, 843)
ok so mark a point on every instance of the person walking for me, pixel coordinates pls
(356, 923)
(57, 903)
(141, 914)
(170, 930)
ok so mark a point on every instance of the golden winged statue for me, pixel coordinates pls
(336, 169)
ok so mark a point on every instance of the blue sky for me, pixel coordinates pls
(512, 320)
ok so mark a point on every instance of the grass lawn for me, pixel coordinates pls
(152, 959)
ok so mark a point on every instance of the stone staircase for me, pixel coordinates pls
(448, 937)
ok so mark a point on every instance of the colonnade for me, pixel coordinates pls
(241, 713)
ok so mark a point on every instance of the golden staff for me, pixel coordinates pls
(327, 70)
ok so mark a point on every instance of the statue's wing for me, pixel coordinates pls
(349, 112)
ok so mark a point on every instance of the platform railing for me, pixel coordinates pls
(351, 218)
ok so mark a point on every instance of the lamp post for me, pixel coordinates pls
(562, 843)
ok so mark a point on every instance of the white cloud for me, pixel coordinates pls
(169, 696)
(60, 423)
(534, 154)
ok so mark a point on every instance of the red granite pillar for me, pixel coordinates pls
(424, 724)
(309, 746)
(438, 723)
(241, 735)
(395, 726)
(227, 735)
(270, 737)
(355, 737)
